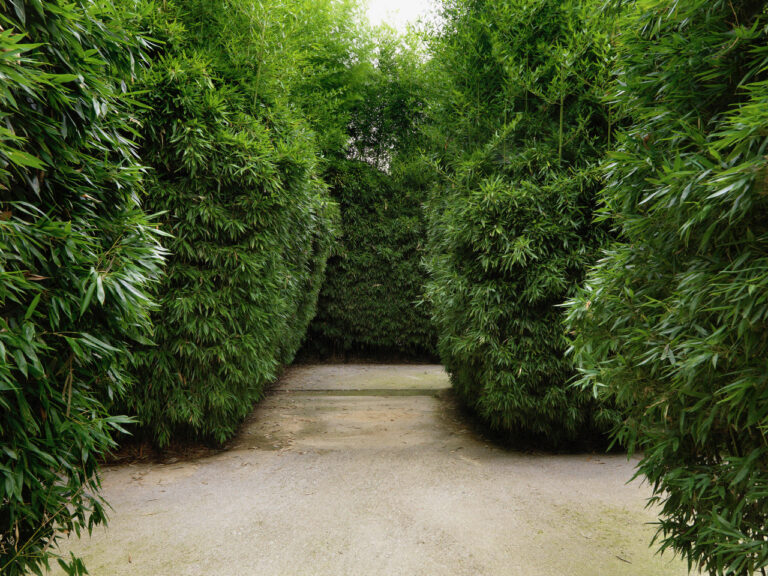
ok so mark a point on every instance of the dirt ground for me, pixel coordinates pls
(370, 470)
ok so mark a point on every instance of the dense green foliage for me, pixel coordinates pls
(672, 323)
(256, 121)
(76, 254)
(517, 132)
(369, 303)
(236, 182)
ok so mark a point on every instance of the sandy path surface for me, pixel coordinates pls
(369, 470)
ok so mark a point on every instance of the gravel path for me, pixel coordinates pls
(366, 470)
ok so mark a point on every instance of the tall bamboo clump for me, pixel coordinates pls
(76, 257)
(248, 220)
(517, 136)
(672, 322)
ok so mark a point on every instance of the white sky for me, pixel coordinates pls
(397, 13)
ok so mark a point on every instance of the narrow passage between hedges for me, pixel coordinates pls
(371, 470)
